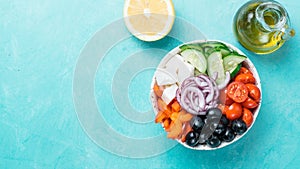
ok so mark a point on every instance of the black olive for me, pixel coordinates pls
(203, 117)
(224, 120)
(192, 138)
(192, 142)
(229, 135)
(239, 126)
(197, 124)
(214, 141)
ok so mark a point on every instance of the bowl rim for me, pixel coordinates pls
(247, 63)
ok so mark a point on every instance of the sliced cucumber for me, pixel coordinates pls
(232, 61)
(213, 45)
(235, 71)
(212, 58)
(207, 51)
(210, 51)
(191, 46)
(215, 65)
(195, 58)
(210, 47)
(224, 51)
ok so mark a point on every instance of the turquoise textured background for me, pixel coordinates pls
(40, 42)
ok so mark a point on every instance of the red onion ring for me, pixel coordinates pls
(197, 94)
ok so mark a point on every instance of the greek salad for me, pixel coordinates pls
(205, 95)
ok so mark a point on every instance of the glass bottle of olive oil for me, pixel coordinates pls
(262, 26)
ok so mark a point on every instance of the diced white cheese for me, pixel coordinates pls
(176, 70)
(181, 69)
(169, 93)
(163, 77)
(184, 71)
(174, 63)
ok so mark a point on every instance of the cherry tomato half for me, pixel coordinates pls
(234, 111)
(247, 116)
(244, 70)
(254, 92)
(245, 78)
(228, 100)
(237, 91)
(249, 103)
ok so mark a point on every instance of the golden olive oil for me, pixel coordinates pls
(262, 26)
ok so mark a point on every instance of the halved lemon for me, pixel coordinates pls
(149, 20)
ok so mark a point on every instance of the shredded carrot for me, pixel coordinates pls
(168, 112)
(170, 126)
(174, 116)
(184, 116)
(175, 106)
(157, 90)
(174, 119)
(175, 130)
(167, 123)
(162, 106)
(160, 117)
(186, 129)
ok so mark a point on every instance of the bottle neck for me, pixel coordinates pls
(271, 16)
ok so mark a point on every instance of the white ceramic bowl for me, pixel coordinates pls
(247, 63)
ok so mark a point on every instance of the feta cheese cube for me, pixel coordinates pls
(164, 77)
(181, 69)
(186, 70)
(169, 93)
